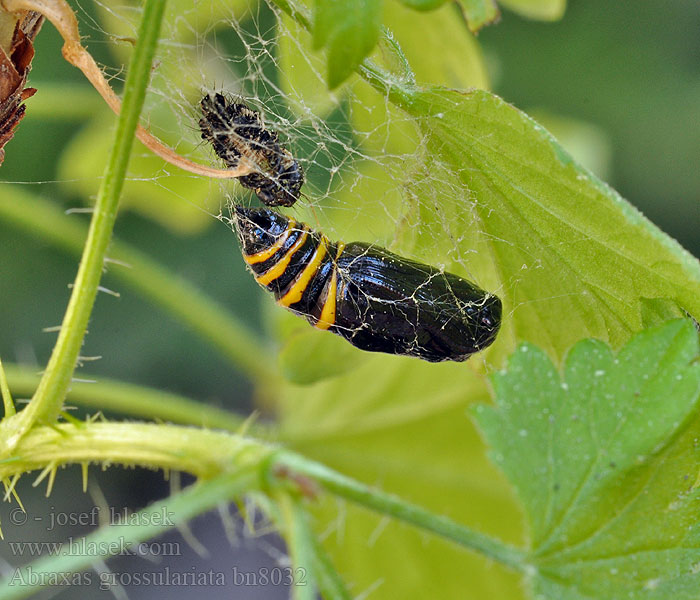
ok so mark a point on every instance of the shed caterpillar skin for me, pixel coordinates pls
(237, 132)
(377, 300)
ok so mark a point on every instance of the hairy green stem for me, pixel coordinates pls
(136, 401)
(7, 402)
(299, 538)
(211, 454)
(203, 453)
(189, 305)
(48, 399)
(397, 508)
(330, 584)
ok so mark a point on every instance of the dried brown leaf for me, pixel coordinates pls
(16, 56)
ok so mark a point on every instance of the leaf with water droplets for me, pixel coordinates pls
(603, 457)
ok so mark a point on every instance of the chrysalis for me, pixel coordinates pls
(375, 299)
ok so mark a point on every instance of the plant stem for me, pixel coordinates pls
(7, 402)
(397, 508)
(299, 538)
(189, 305)
(211, 454)
(136, 401)
(330, 584)
(203, 453)
(48, 399)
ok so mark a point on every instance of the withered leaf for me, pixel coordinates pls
(16, 55)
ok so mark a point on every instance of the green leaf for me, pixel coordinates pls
(492, 195)
(444, 53)
(438, 46)
(587, 143)
(372, 197)
(545, 10)
(310, 355)
(423, 4)
(402, 423)
(349, 30)
(479, 13)
(658, 310)
(476, 12)
(603, 461)
(570, 257)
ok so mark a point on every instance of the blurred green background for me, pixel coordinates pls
(620, 79)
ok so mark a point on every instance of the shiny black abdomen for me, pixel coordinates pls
(387, 303)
